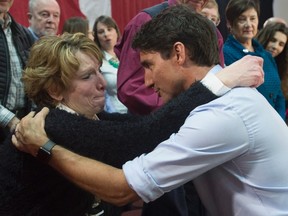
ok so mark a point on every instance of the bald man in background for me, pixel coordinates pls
(44, 17)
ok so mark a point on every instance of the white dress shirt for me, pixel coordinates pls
(235, 148)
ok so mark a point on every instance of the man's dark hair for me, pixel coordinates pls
(180, 24)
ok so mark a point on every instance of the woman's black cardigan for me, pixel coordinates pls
(29, 187)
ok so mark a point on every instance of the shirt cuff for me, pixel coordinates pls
(214, 84)
(6, 116)
(140, 181)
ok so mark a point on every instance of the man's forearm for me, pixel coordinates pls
(104, 181)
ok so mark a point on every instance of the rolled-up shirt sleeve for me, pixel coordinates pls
(199, 145)
(5, 116)
(142, 179)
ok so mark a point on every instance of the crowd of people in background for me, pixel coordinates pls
(127, 101)
(242, 20)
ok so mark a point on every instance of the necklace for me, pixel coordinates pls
(114, 62)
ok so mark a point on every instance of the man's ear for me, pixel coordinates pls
(179, 49)
(55, 93)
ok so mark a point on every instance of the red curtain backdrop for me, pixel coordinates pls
(69, 8)
(19, 11)
(121, 10)
(124, 10)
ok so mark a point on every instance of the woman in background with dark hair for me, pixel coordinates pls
(273, 38)
(76, 24)
(106, 35)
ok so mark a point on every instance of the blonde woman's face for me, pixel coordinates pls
(86, 93)
(107, 36)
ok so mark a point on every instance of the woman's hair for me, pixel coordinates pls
(236, 7)
(109, 22)
(266, 34)
(76, 24)
(52, 65)
(213, 4)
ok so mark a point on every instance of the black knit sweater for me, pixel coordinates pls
(29, 187)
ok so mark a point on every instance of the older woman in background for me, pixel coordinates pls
(106, 35)
(242, 20)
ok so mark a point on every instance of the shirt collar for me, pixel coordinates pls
(66, 108)
(6, 22)
(107, 56)
(33, 33)
(69, 110)
(215, 69)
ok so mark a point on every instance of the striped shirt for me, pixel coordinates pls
(16, 95)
